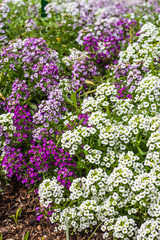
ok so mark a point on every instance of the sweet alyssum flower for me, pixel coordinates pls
(120, 144)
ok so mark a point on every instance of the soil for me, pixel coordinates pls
(15, 196)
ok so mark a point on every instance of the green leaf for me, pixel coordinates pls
(7, 31)
(74, 99)
(141, 152)
(33, 106)
(18, 213)
(99, 142)
(32, 112)
(15, 220)
(26, 236)
(68, 100)
(79, 89)
(135, 217)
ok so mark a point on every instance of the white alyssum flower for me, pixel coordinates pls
(146, 50)
(50, 190)
(124, 228)
(150, 229)
(121, 146)
(148, 87)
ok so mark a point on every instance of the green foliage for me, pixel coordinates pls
(26, 237)
(57, 34)
(17, 215)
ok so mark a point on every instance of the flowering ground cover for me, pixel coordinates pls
(80, 119)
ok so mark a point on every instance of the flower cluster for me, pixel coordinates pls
(107, 37)
(120, 146)
(4, 10)
(149, 230)
(82, 68)
(127, 80)
(40, 159)
(137, 60)
(147, 94)
(124, 227)
(78, 11)
(7, 129)
(146, 50)
(29, 59)
(50, 110)
(50, 188)
(30, 25)
(14, 162)
(46, 156)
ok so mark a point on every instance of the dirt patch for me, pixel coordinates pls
(15, 197)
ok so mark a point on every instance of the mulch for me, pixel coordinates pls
(15, 196)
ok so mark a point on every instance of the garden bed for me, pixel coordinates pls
(79, 120)
(16, 197)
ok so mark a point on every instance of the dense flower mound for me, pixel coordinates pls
(80, 113)
(102, 42)
(29, 59)
(140, 57)
(82, 69)
(77, 9)
(36, 105)
(4, 10)
(47, 155)
(121, 148)
(28, 51)
(30, 167)
(106, 38)
(143, 51)
(84, 13)
(100, 34)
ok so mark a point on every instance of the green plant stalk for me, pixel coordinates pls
(18, 214)
(130, 35)
(67, 230)
(43, 238)
(26, 236)
(94, 231)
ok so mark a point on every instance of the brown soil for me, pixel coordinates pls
(16, 196)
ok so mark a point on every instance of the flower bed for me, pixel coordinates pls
(80, 113)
